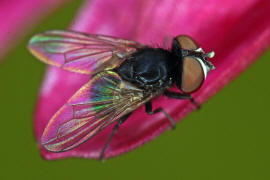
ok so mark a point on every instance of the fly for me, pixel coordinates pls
(125, 75)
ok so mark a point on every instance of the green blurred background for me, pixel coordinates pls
(227, 139)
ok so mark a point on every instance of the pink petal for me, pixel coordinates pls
(18, 16)
(238, 32)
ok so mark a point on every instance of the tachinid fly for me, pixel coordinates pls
(125, 75)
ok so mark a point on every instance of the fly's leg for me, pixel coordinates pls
(177, 95)
(148, 110)
(114, 131)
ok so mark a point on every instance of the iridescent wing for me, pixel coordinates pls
(82, 53)
(99, 103)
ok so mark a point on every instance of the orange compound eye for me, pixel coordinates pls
(192, 75)
(187, 42)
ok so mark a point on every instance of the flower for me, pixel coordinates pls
(238, 32)
(17, 17)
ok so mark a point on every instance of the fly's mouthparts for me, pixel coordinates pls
(211, 66)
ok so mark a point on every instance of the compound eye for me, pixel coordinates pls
(192, 75)
(186, 42)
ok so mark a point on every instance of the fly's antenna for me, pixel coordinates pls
(210, 54)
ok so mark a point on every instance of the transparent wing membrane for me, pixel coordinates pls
(82, 53)
(99, 103)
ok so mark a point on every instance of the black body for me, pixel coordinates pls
(152, 68)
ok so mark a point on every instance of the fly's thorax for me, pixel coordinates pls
(148, 68)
